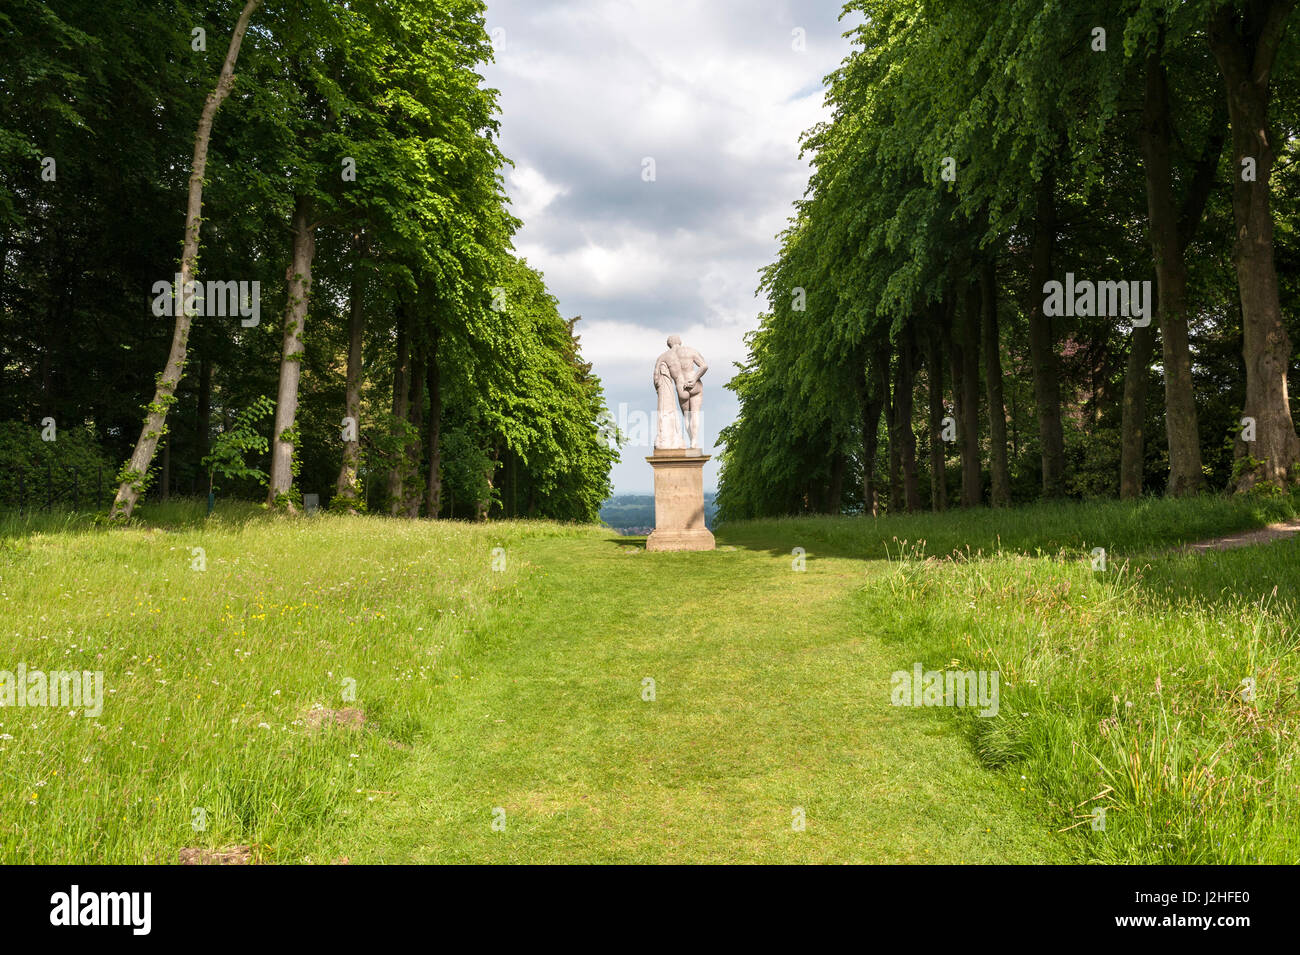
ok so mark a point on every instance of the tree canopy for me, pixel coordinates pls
(350, 245)
(1011, 204)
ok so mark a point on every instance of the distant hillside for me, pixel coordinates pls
(635, 513)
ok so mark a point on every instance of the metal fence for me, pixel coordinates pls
(43, 489)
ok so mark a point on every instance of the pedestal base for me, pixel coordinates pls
(679, 501)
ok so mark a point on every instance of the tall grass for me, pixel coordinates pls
(210, 675)
(1127, 690)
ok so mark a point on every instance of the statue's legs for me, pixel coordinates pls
(693, 417)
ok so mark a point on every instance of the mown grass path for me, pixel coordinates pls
(771, 694)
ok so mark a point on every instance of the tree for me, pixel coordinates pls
(347, 487)
(134, 475)
(1245, 38)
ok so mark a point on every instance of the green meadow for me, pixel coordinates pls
(331, 688)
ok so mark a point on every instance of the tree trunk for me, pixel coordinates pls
(347, 487)
(871, 401)
(971, 491)
(49, 400)
(1042, 343)
(892, 435)
(401, 393)
(137, 468)
(906, 439)
(1244, 46)
(411, 489)
(835, 493)
(5, 241)
(165, 480)
(1142, 344)
(952, 342)
(203, 419)
(295, 320)
(433, 490)
(484, 504)
(991, 340)
(934, 389)
(1185, 475)
(512, 478)
(1133, 423)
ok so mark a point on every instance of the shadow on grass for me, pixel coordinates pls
(1259, 575)
(176, 514)
(1142, 540)
(1123, 528)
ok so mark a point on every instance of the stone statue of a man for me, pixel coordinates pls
(677, 379)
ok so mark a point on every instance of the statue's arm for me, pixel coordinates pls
(698, 359)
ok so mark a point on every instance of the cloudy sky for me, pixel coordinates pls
(716, 93)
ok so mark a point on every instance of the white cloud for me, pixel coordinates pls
(530, 192)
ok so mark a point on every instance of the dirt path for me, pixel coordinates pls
(1260, 535)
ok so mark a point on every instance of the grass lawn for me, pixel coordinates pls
(509, 714)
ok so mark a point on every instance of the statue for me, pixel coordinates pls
(669, 433)
(678, 466)
(677, 384)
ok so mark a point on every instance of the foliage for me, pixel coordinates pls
(959, 133)
(388, 89)
(230, 450)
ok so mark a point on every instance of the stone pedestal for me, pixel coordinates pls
(679, 501)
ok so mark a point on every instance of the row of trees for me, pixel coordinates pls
(979, 151)
(345, 259)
